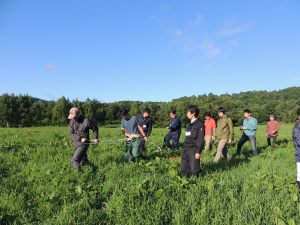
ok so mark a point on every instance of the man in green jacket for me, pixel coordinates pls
(224, 133)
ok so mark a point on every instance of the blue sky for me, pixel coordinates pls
(147, 50)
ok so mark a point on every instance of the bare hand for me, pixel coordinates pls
(83, 140)
(96, 141)
(197, 156)
(146, 138)
(213, 138)
(229, 141)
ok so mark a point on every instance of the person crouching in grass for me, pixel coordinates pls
(296, 140)
(134, 132)
(193, 144)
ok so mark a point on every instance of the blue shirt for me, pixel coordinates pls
(250, 126)
(130, 125)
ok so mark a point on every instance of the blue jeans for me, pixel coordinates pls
(243, 140)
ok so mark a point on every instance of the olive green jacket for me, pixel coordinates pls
(224, 128)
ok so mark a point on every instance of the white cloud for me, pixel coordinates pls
(230, 30)
(51, 67)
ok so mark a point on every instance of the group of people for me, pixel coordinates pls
(198, 135)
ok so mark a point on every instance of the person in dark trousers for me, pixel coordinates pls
(145, 121)
(134, 132)
(193, 144)
(296, 141)
(249, 132)
(174, 133)
(79, 129)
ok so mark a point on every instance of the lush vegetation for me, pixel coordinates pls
(38, 186)
(27, 111)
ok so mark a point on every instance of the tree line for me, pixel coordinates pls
(26, 111)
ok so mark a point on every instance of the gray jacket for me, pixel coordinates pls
(79, 128)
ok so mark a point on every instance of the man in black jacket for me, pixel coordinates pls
(193, 144)
(145, 121)
(79, 129)
(174, 133)
(296, 140)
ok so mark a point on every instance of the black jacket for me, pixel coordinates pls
(145, 123)
(194, 136)
(79, 128)
(296, 140)
(175, 125)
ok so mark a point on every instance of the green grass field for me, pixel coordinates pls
(38, 185)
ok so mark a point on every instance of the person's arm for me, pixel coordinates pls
(214, 128)
(150, 127)
(296, 136)
(95, 129)
(267, 128)
(142, 131)
(200, 141)
(231, 130)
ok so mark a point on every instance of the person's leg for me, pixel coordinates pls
(253, 144)
(241, 142)
(185, 164)
(269, 140)
(167, 139)
(207, 143)
(77, 156)
(136, 148)
(175, 138)
(275, 140)
(194, 163)
(225, 151)
(221, 145)
(128, 150)
(84, 160)
(142, 146)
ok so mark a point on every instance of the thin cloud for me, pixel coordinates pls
(228, 31)
(51, 67)
(199, 19)
(210, 50)
(178, 33)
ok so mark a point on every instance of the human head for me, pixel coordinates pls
(247, 113)
(125, 114)
(272, 117)
(192, 111)
(146, 112)
(74, 113)
(298, 113)
(221, 111)
(207, 115)
(173, 113)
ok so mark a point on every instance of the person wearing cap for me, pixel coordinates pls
(134, 133)
(272, 129)
(224, 134)
(249, 132)
(145, 121)
(296, 141)
(79, 129)
(210, 128)
(174, 132)
(193, 144)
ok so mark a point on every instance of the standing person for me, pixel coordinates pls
(249, 132)
(210, 129)
(134, 132)
(174, 133)
(145, 121)
(193, 143)
(224, 133)
(79, 129)
(296, 140)
(272, 129)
